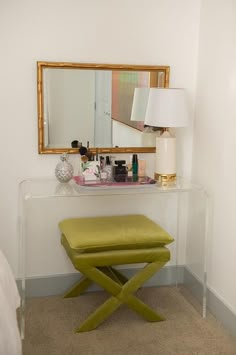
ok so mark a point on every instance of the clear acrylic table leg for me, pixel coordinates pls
(194, 286)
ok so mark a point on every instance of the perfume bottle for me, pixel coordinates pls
(103, 173)
(108, 168)
(120, 171)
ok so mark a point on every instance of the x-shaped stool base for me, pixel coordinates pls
(94, 269)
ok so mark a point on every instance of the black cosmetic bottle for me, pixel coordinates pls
(120, 171)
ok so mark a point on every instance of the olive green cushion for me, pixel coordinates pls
(113, 233)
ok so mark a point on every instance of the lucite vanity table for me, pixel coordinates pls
(181, 208)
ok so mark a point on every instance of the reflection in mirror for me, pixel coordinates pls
(91, 104)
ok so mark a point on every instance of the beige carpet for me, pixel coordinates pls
(50, 323)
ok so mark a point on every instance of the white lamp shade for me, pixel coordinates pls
(139, 104)
(166, 108)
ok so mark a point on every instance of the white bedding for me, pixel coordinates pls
(10, 342)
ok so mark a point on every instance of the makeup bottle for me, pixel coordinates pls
(129, 171)
(141, 167)
(135, 164)
(103, 173)
(108, 168)
(120, 171)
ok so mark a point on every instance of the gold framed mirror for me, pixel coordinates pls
(91, 104)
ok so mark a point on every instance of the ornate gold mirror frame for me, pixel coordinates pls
(159, 77)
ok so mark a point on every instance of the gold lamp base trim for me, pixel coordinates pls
(164, 177)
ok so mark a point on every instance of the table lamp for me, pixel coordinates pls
(139, 105)
(166, 108)
(138, 113)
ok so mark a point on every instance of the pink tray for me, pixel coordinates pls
(146, 180)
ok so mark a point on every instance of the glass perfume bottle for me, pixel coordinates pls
(120, 171)
(108, 168)
(103, 173)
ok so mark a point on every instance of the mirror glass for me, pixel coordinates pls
(91, 104)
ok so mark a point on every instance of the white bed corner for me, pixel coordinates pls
(10, 342)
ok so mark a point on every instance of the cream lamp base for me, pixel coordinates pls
(165, 157)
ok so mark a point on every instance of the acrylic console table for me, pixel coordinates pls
(181, 208)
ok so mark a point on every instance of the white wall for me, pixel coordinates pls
(214, 151)
(125, 136)
(155, 32)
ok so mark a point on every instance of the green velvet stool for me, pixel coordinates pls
(96, 244)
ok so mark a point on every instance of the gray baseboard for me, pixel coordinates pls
(59, 284)
(214, 305)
